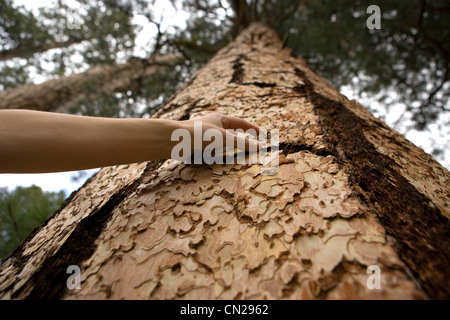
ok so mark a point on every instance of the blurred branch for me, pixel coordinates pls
(193, 46)
(27, 50)
(241, 20)
(440, 50)
(159, 35)
(59, 95)
(180, 49)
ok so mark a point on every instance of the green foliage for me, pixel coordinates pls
(11, 77)
(408, 54)
(153, 91)
(96, 32)
(22, 210)
(20, 29)
(107, 24)
(201, 38)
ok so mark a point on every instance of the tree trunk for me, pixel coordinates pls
(350, 193)
(63, 93)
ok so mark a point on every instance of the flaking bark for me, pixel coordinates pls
(349, 193)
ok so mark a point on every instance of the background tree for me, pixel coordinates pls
(22, 210)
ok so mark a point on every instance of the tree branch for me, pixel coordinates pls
(438, 47)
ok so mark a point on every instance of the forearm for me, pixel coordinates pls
(33, 141)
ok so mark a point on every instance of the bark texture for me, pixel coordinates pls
(349, 193)
(61, 94)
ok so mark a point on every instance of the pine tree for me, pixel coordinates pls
(351, 197)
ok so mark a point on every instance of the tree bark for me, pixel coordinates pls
(61, 94)
(349, 193)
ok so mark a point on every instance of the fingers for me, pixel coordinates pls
(231, 138)
(241, 142)
(230, 122)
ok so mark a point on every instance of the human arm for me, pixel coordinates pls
(36, 142)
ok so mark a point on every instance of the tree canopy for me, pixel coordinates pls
(404, 64)
(22, 210)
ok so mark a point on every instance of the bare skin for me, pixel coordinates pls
(37, 142)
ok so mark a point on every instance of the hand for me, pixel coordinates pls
(226, 126)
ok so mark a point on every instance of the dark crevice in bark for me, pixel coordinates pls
(187, 113)
(191, 81)
(290, 147)
(49, 281)
(326, 283)
(168, 107)
(420, 230)
(260, 84)
(186, 116)
(238, 74)
(302, 90)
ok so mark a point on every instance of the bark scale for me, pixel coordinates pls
(350, 193)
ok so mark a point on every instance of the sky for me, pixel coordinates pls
(172, 16)
(47, 181)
